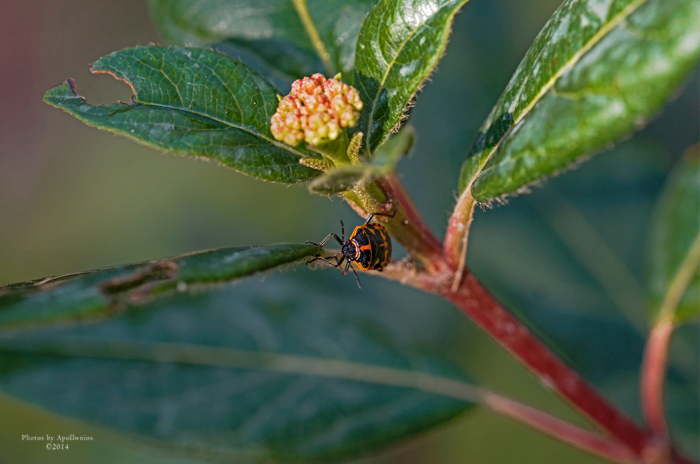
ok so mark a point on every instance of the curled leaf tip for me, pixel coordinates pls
(315, 111)
(316, 163)
(354, 148)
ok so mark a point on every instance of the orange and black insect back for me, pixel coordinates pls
(369, 246)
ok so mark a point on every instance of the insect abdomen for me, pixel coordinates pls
(380, 244)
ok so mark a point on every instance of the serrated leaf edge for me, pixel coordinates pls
(370, 121)
(570, 63)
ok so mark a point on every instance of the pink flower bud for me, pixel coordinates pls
(315, 111)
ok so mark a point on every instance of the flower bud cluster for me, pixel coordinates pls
(316, 110)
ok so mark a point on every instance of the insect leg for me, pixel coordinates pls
(321, 258)
(348, 266)
(357, 278)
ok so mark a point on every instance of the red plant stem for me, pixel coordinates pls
(401, 197)
(515, 337)
(653, 376)
(409, 229)
(653, 379)
(474, 301)
(560, 429)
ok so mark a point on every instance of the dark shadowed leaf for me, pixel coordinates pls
(384, 162)
(103, 292)
(302, 367)
(596, 71)
(400, 43)
(281, 33)
(674, 245)
(192, 102)
(281, 63)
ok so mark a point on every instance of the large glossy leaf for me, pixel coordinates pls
(400, 43)
(302, 367)
(597, 70)
(103, 292)
(674, 246)
(193, 102)
(297, 37)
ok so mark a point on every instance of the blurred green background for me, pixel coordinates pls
(73, 198)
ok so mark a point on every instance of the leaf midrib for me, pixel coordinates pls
(242, 127)
(319, 45)
(571, 62)
(200, 355)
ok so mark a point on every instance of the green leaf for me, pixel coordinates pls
(400, 43)
(281, 33)
(302, 367)
(343, 178)
(596, 71)
(273, 58)
(101, 293)
(674, 245)
(192, 102)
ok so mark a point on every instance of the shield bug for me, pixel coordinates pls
(369, 246)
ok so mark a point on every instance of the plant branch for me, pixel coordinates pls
(473, 299)
(412, 214)
(412, 231)
(624, 438)
(516, 338)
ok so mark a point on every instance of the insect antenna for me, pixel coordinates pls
(371, 216)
